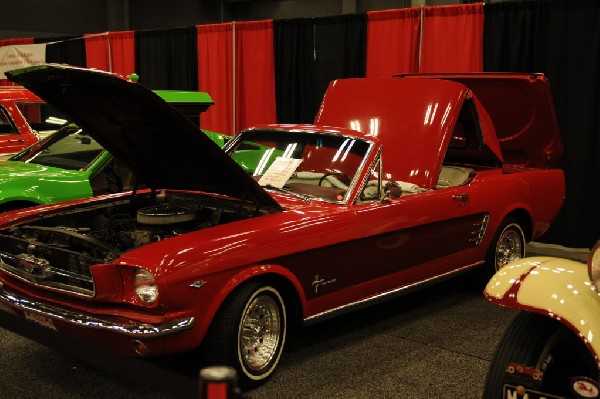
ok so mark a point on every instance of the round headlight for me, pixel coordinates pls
(594, 265)
(145, 287)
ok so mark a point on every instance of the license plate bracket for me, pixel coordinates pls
(40, 320)
(510, 392)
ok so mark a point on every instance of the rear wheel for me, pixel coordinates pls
(249, 333)
(542, 343)
(508, 245)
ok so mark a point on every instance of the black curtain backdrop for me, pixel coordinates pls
(560, 38)
(64, 50)
(310, 53)
(516, 36)
(295, 70)
(167, 58)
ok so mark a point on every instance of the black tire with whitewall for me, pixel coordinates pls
(543, 343)
(248, 333)
(508, 245)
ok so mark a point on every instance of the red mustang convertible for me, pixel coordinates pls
(401, 182)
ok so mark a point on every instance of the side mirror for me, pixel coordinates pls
(391, 190)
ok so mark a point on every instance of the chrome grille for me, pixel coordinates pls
(41, 273)
(42, 265)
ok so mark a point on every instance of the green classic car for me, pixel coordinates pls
(70, 164)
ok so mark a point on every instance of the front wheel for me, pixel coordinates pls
(248, 333)
(539, 343)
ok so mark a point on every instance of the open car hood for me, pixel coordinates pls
(522, 110)
(157, 141)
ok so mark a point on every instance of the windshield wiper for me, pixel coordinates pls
(305, 197)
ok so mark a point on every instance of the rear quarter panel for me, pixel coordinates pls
(540, 193)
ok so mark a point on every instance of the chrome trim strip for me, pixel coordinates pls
(359, 170)
(480, 229)
(386, 296)
(378, 160)
(38, 281)
(123, 326)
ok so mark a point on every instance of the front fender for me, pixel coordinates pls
(555, 287)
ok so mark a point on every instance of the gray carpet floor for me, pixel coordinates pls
(435, 343)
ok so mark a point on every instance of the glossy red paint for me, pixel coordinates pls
(522, 110)
(18, 134)
(411, 115)
(324, 256)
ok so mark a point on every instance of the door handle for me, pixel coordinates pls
(461, 197)
(16, 140)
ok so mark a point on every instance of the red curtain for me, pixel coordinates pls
(452, 38)
(393, 42)
(111, 51)
(11, 42)
(255, 74)
(122, 51)
(96, 51)
(215, 70)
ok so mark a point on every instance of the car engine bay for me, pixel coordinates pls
(63, 246)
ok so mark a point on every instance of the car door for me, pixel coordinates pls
(415, 235)
(11, 140)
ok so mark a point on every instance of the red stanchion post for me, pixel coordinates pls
(218, 382)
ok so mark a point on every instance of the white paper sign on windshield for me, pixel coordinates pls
(279, 172)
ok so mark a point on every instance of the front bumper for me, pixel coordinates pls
(130, 328)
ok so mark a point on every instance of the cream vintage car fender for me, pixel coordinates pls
(558, 288)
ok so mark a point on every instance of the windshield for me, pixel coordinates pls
(313, 165)
(69, 148)
(42, 117)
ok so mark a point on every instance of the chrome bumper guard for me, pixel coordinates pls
(127, 327)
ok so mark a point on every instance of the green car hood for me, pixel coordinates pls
(28, 181)
(134, 124)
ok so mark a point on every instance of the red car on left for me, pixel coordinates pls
(24, 119)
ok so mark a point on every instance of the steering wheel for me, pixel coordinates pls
(346, 179)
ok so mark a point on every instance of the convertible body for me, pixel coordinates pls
(399, 183)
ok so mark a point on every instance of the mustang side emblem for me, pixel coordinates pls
(319, 282)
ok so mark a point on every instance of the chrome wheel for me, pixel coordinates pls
(248, 333)
(510, 245)
(260, 329)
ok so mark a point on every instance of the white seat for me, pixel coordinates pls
(451, 176)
